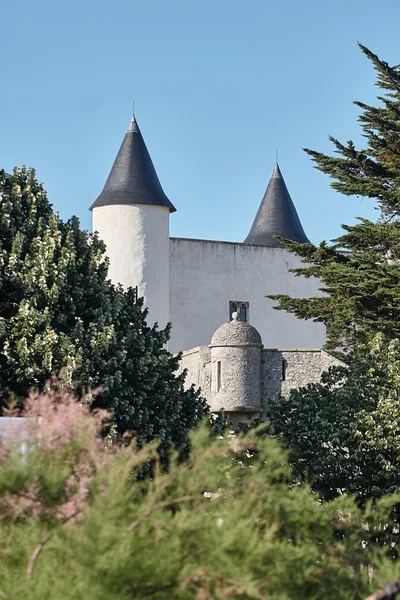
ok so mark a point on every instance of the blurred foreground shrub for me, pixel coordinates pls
(229, 523)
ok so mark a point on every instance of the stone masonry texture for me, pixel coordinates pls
(281, 371)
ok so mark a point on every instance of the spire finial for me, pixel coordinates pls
(276, 155)
(133, 126)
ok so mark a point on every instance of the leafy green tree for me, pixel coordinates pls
(228, 523)
(60, 314)
(360, 272)
(344, 433)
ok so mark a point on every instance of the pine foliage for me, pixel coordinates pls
(228, 523)
(360, 272)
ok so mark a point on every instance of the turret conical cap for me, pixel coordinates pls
(133, 178)
(276, 216)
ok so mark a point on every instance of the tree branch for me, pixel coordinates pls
(155, 505)
(36, 553)
(41, 544)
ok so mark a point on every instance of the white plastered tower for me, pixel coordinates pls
(131, 216)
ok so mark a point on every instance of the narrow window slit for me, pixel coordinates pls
(218, 375)
(284, 367)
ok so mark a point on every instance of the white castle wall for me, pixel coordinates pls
(137, 244)
(206, 275)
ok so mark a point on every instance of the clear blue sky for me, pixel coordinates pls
(218, 85)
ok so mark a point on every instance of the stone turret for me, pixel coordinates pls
(236, 370)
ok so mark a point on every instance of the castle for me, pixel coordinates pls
(199, 285)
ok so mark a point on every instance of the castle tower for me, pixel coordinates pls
(236, 370)
(131, 216)
(276, 216)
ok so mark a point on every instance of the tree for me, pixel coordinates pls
(360, 272)
(60, 314)
(343, 434)
(228, 523)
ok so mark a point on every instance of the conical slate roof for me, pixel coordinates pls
(276, 216)
(133, 178)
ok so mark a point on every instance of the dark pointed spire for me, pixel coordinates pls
(133, 178)
(276, 216)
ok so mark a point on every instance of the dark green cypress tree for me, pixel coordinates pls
(60, 314)
(360, 271)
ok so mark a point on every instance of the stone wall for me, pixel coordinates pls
(287, 369)
(281, 369)
(197, 361)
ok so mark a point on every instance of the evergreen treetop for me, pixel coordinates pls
(374, 171)
(360, 272)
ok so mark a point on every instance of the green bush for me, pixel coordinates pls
(228, 523)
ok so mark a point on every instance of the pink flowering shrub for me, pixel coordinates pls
(47, 465)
